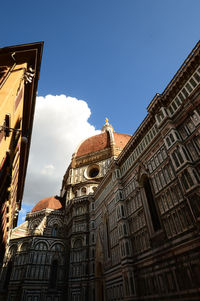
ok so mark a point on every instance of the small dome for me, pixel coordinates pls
(48, 203)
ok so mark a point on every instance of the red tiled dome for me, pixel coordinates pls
(121, 139)
(101, 142)
(93, 144)
(48, 203)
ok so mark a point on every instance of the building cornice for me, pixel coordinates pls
(159, 100)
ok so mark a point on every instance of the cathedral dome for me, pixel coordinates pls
(48, 203)
(93, 144)
(101, 142)
(100, 147)
(91, 160)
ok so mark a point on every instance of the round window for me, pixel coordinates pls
(92, 171)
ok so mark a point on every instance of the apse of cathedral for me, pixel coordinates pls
(126, 224)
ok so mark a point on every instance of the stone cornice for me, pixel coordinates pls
(44, 212)
(92, 158)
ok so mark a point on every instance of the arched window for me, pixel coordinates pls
(77, 244)
(93, 253)
(53, 274)
(79, 210)
(83, 191)
(151, 203)
(58, 248)
(168, 141)
(124, 228)
(41, 246)
(13, 250)
(24, 247)
(54, 231)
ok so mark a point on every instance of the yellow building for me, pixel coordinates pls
(19, 74)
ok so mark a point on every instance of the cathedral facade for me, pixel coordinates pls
(126, 225)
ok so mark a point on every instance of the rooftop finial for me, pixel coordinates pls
(107, 126)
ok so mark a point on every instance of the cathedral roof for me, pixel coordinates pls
(48, 203)
(121, 139)
(100, 142)
(93, 144)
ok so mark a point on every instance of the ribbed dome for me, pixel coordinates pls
(48, 203)
(101, 142)
(121, 139)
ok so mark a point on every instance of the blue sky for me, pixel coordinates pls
(112, 54)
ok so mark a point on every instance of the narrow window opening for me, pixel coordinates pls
(172, 138)
(55, 231)
(122, 210)
(181, 96)
(107, 238)
(127, 248)
(168, 141)
(193, 83)
(185, 92)
(185, 153)
(196, 176)
(171, 110)
(53, 274)
(197, 77)
(151, 203)
(179, 156)
(189, 88)
(177, 135)
(177, 101)
(189, 178)
(175, 159)
(174, 105)
(7, 125)
(184, 182)
(125, 231)
(92, 237)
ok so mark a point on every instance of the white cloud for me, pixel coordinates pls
(22, 215)
(60, 124)
(48, 170)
